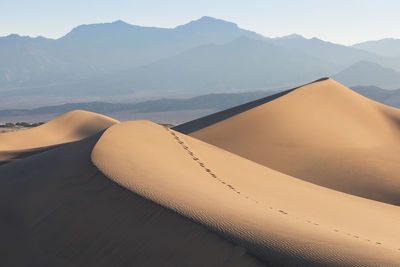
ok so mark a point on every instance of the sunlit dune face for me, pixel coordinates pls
(322, 133)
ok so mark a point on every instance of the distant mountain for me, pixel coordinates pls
(24, 59)
(209, 101)
(241, 64)
(369, 73)
(103, 48)
(386, 47)
(202, 56)
(338, 55)
(117, 45)
(387, 97)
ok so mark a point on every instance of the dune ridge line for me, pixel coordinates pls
(323, 133)
(202, 165)
(150, 161)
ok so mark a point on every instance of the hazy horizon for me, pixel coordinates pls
(353, 24)
(199, 133)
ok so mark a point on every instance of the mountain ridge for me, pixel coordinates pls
(388, 47)
(216, 101)
(369, 73)
(87, 60)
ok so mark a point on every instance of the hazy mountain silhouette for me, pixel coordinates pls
(209, 101)
(104, 48)
(386, 47)
(241, 64)
(25, 59)
(387, 97)
(204, 55)
(338, 55)
(369, 73)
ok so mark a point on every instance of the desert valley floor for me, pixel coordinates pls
(307, 177)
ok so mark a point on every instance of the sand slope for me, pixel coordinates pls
(72, 126)
(281, 219)
(139, 194)
(57, 209)
(323, 133)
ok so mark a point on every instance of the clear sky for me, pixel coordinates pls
(340, 21)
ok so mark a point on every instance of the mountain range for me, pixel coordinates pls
(203, 56)
(369, 73)
(389, 47)
(207, 102)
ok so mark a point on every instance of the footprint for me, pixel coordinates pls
(245, 196)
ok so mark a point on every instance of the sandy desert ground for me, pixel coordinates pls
(306, 178)
(323, 133)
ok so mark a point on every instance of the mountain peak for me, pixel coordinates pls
(119, 22)
(12, 37)
(17, 37)
(207, 22)
(292, 36)
(85, 29)
(207, 18)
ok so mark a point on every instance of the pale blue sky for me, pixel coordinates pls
(341, 21)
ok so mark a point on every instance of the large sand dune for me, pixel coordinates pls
(83, 190)
(323, 133)
(281, 219)
(72, 126)
(57, 209)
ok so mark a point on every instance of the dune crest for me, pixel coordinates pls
(277, 217)
(323, 133)
(72, 126)
(58, 209)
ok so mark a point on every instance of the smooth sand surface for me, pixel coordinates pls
(58, 209)
(72, 126)
(140, 194)
(202, 122)
(323, 133)
(283, 220)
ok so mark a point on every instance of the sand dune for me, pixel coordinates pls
(281, 219)
(72, 126)
(323, 133)
(57, 209)
(84, 190)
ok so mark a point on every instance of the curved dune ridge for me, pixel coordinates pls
(72, 126)
(300, 188)
(57, 209)
(281, 219)
(323, 133)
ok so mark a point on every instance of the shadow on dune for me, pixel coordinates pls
(197, 124)
(57, 209)
(11, 156)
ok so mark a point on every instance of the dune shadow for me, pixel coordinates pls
(197, 124)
